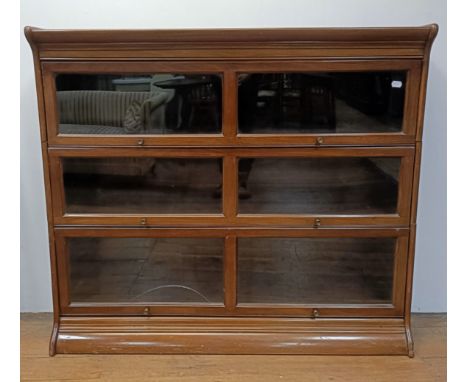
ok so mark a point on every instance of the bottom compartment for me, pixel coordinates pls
(283, 270)
(231, 270)
(231, 290)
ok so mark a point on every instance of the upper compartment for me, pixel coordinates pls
(346, 86)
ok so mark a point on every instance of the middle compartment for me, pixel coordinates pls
(232, 186)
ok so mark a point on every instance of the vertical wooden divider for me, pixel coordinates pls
(230, 106)
(230, 188)
(230, 132)
(230, 272)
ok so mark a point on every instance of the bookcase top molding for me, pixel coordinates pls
(410, 42)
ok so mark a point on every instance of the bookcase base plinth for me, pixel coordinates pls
(200, 335)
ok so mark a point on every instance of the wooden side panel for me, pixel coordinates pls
(48, 192)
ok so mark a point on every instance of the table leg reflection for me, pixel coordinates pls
(245, 167)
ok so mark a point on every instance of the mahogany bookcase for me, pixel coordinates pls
(238, 191)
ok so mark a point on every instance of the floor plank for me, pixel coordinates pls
(429, 363)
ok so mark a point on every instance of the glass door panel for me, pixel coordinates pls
(142, 185)
(321, 102)
(325, 185)
(151, 103)
(153, 270)
(316, 270)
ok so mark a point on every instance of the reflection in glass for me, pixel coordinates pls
(328, 102)
(142, 185)
(139, 104)
(315, 270)
(146, 270)
(318, 185)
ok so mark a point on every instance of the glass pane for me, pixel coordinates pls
(146, 270)
(325, 102)
(318, 185)
(314, 271)
(139, 104)
(142, 185)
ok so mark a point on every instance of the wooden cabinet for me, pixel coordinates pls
(233, 191)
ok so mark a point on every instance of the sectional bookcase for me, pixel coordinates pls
(243, 191)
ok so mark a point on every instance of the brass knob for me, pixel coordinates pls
(141, 142)
(319, 140)
(317, 223)
(143, 221)
(316, 313)
(146, 311)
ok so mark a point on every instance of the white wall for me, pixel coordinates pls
(430, 274)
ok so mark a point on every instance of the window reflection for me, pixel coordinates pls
(146, 269)
(142, 185)
(327, 185)
(334, 102)
(318, 185)
(315, 270)
(139, 104)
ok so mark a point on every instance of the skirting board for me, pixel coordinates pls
(199, 335)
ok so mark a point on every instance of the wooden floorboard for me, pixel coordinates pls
(429, 364)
